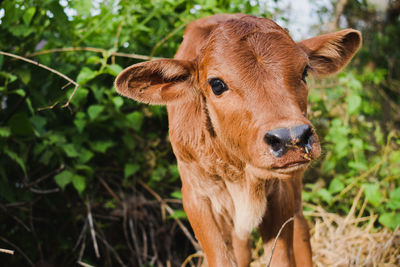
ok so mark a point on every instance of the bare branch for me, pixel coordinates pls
(49, 69)
(171, 211)
(338, 12)
(7, 251)
(166, 38)
(92, 231)
(17, 249)
(90, 49)
(117, 40)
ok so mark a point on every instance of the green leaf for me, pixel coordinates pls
(85, 155)
(1, 61)
(19, 92)
(79, 182)
(20, 124)
(353, 103)
(93, 60)
(373, 194)
(101, 146)
(390, 220)
(5, 131)
(325, 195)
(176, 194)
(70, 150)
(11, 78)
(45, 158)
(38, 123)
(114, 69)
(94, 111)
(135, 120)
(85, 75)
(63, 179)
(178, 214)
(14, 156)
(80, 124)
(336, 186)
(56, 138)
(130, 169)
(28, 15)
(24, 75)
(118, 101)
(394, 201)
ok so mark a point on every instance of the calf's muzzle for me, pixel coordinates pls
(282, 139)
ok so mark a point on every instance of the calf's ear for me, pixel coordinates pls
(159, 81)
(330, 52)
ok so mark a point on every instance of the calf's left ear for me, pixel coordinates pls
(159, 81)
(330, 52)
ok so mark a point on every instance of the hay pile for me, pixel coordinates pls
(346, 241)
(351, 241)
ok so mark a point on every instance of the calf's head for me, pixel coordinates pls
(250, 78)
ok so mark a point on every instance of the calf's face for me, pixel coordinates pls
(249, 76)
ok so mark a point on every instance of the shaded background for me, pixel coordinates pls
(96, 181)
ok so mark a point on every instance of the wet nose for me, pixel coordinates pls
(280, 140)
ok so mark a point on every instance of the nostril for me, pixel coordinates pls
(278, 140)
(303, 134)
(273, 141)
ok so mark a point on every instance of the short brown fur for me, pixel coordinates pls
(231, 181)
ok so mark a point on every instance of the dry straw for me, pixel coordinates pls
(346, 241)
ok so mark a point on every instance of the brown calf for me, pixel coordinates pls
(237, 101)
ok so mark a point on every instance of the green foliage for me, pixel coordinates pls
(359, 154)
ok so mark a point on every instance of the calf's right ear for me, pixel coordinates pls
(160, 81)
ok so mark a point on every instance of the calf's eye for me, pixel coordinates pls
(218, 86)
(305, 74)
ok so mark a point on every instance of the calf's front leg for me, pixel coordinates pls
(215, 242)
(280, 208)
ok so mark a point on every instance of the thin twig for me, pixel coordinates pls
(40, 65)
(92, 231)
(276, 239)
(90, 49)
(7, 251)
(41, 179)
(171, 212)
(135, 56)
(4, 209)
(125, 229)
(81, 235)
(49, 69)
(17, 249)
(109, 190)
(48, 107)
(135, 241)
(83, 247)
(190, 257)
(117, 40)
(167, 37)
(117, 257)
(44, 192)
(84, 264)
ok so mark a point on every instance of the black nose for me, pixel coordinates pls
(280, 140)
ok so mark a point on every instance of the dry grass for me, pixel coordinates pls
(351, 241)
(346, 240)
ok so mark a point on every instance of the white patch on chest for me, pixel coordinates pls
(250, 202)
